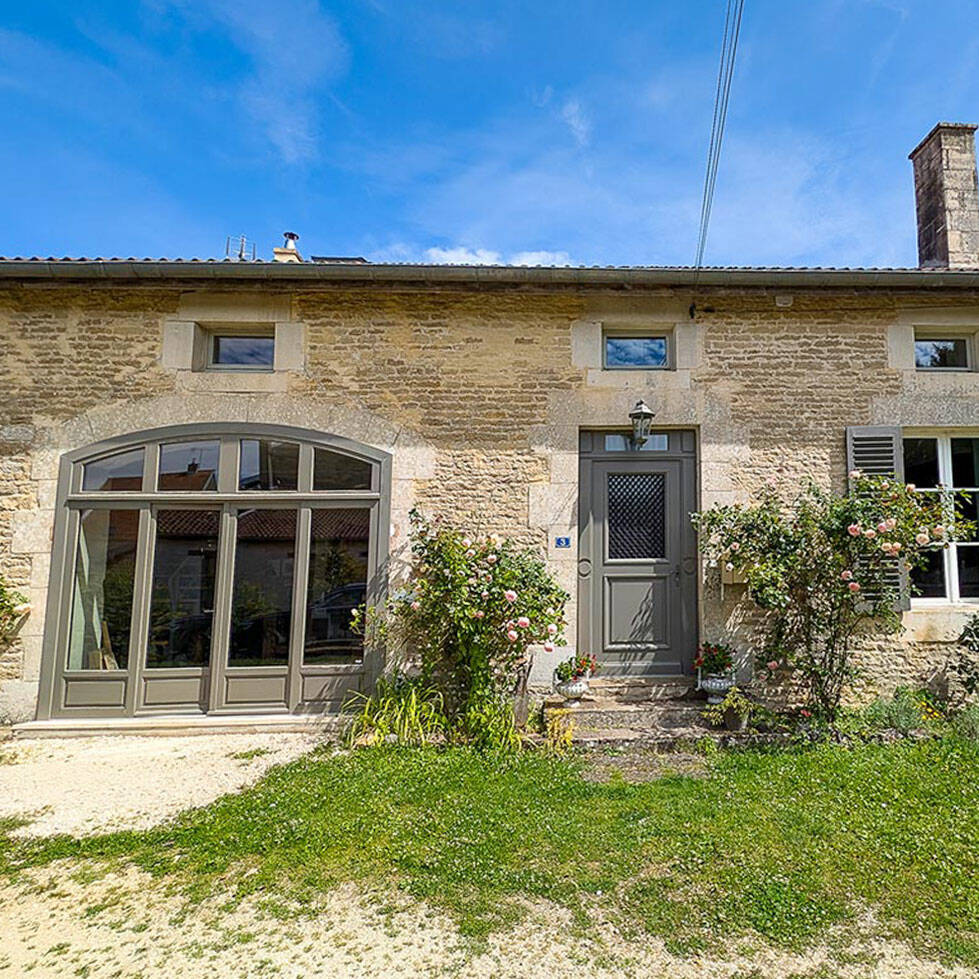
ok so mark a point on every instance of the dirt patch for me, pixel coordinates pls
(88, 785)
(65, 921)
(640, 765)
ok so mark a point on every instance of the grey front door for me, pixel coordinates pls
(637, 553)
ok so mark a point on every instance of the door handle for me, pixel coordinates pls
(677, 571)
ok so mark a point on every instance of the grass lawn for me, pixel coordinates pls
(781, 843)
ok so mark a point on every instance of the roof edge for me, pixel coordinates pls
(627, 277)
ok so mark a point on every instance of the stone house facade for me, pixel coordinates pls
(205, 465)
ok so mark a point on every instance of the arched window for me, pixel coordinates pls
(213, 568)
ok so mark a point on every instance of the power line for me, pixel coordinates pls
(722, 95)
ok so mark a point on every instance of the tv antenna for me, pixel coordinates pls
(241, 246)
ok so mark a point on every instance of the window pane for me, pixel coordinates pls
(623, 443)
(267, 465)
(333, 471)
(941, 353)
(123, 471)
(244, 351)
(965, 462)
(102, 590)
(930, 578)
(338, 554)
(921, 462)
(968, 505)
(968, 558)
(182, 603)
(189, 466)
(635, 352)
(261, 605)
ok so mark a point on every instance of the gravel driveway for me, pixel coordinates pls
(86, 785)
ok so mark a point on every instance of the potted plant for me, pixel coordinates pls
(734, 711)
(571, 677)
(715, 670)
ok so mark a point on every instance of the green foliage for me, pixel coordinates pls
(965, 722)
(965, 665)
(468, 619)
(402, 708)
(558, 731)
(13, 607)
(820, 567)
(576, 667)
(734, 701)
(908, 710)
(781, 843)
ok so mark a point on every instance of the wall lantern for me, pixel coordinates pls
(642, 419)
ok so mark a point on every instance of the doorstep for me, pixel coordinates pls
(180, 725)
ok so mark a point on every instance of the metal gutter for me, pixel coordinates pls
(470, 276)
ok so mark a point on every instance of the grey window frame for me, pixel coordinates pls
(639, 333)
(947, 333)
(72, 500)
(213, 331)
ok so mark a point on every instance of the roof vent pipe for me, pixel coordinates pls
(288, 251)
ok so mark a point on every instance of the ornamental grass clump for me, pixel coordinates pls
(822, 568)
(466, 623)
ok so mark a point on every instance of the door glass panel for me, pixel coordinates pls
(657, 442)
(123, 471)
(102, 590)
(189, 466)
(338, 553)
(636, 516)
(334, 471)
(182, 597)
(261, 605)
(268, 465)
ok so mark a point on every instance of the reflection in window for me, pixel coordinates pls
(921, 462)
(261, 600)
(333, 471)
(268, 465)
(243, 350)
(182, 596)
(951, 353)
(121, 472)
(624, 443)
(189, 466)
(338, 555)
(102, 590)
(637, 352)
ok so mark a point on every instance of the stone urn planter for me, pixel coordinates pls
(572, 690)
(716, 685)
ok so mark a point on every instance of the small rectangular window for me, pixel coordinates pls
(637, 351)
(656, 442)
(252, 350)
(942, 353)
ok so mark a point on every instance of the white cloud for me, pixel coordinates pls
(540, 258)
(577, 121)
(295, 49)
(463, 256)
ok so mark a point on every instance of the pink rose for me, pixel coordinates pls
(415, 606)
(846, 575)
(882, 527)
(523, 622)
(491, 559)
(853, 530)
(870, 533)
(485, 594)
(772, 664)
(552, 629)
(466, 542)
(510, 595)
(548, 647)
(940, 531)
(921, 539)
(855, 474)
(479, 613)
(512, 635)
(854, 587)
(895, 547)
(910, 487)
(891, 523)
(735, 546)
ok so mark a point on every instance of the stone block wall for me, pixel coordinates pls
(480, 396)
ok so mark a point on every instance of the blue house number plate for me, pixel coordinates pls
(562, 541)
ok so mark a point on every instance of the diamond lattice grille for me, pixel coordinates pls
(636, 515)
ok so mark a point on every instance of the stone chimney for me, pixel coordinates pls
(288, 251)
(947, 197)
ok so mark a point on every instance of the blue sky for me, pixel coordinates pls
(405, 130)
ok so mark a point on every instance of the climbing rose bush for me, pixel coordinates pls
(821, 568)
(471, 612)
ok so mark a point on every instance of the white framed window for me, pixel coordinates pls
(944, 349)
(946, 464)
